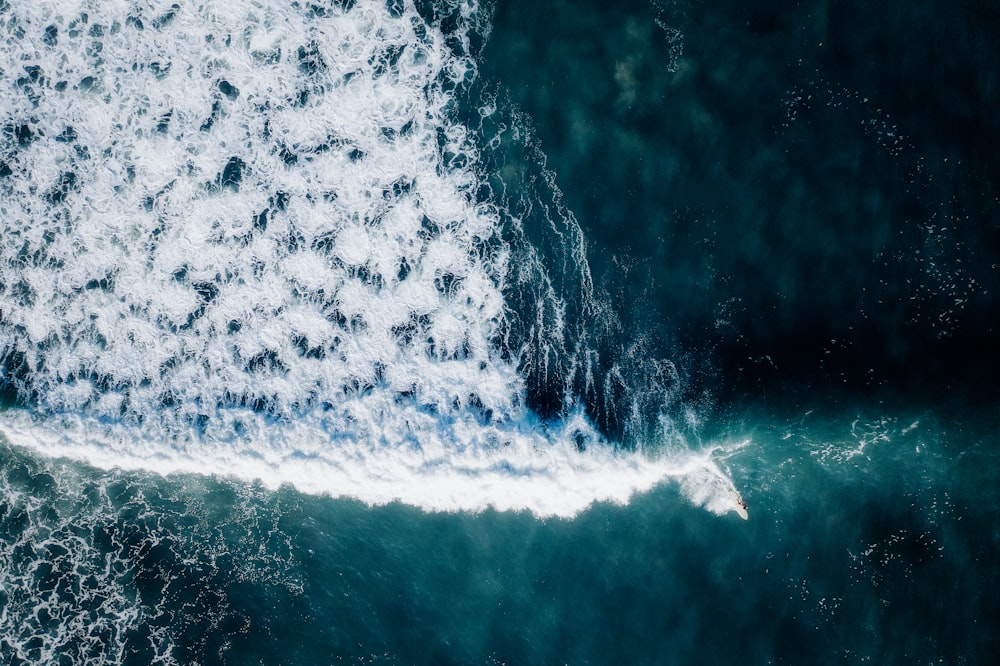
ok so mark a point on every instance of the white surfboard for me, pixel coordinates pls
(738, 505)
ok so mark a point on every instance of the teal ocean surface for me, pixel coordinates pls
(453, 332)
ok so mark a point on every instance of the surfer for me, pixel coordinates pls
(741, 506)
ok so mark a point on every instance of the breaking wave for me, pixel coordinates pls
(266, 240)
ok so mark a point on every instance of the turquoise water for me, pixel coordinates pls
(869, 540)
(439, 332)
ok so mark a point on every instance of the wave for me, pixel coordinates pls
(268, 241)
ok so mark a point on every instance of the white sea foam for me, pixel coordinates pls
(244, 238)
(390, 454)
(80, 551)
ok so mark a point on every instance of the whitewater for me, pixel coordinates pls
(258, 240)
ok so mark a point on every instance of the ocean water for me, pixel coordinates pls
(444, 332)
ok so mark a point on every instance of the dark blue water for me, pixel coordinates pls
(648, 250)
(808, 182)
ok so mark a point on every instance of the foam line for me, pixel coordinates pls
(458, 466)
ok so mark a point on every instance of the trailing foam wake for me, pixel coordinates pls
(248, 239)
